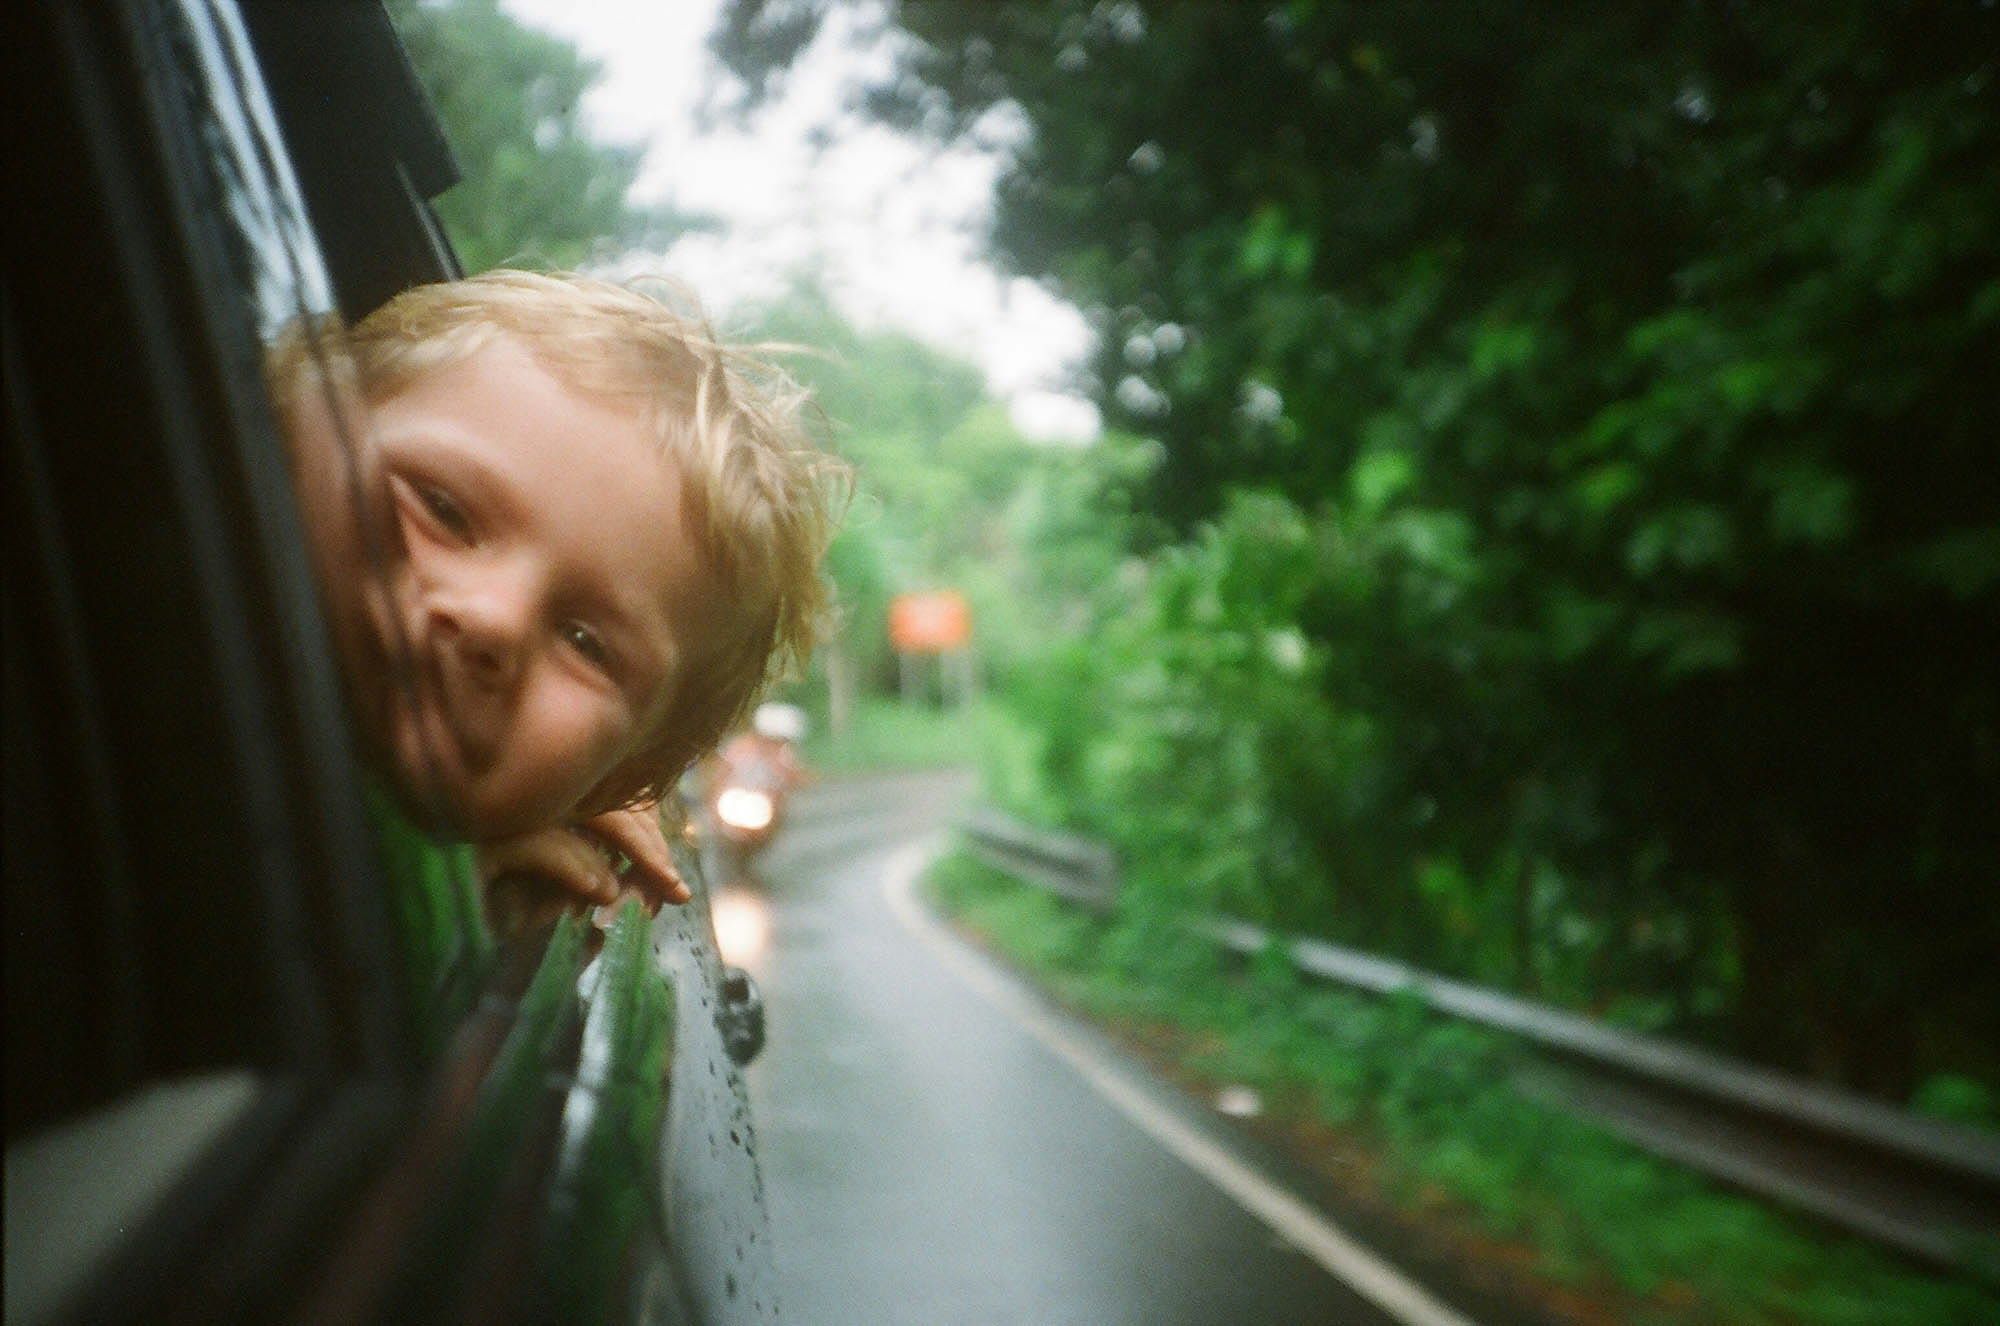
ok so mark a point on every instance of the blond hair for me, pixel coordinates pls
(759, 500)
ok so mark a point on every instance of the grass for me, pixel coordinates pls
(884, 735)
(1423, 1111)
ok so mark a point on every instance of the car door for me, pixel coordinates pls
(265, 1055)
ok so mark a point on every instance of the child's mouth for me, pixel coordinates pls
(423, 744)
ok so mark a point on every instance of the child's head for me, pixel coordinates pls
(598, 529)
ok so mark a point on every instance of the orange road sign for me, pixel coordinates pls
(931, 623)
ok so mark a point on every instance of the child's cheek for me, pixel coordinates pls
(583, 739)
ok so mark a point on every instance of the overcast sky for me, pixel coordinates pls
(893, 224)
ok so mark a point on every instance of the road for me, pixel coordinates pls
(939, 1147)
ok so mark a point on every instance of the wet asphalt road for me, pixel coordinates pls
(929, 1161)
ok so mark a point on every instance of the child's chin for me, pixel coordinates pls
(428, 790)
(443, 798)
(462, 812)
(430, 807)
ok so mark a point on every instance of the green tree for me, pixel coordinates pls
(950, 494)
(1630, 371)
(537, 189)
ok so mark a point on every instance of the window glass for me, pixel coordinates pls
(279, 262)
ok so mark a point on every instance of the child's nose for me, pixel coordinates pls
(484, 626)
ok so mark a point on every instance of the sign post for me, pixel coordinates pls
(936, 624)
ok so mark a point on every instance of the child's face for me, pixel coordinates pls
(540, 573)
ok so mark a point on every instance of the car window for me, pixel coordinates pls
(235, 973)
(161, 814)
(280, 269)
(195, 955)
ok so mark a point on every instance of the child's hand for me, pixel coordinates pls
(578, 858)
(636, 832)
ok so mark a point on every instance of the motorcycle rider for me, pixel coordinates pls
(749, 781)
(772, 740)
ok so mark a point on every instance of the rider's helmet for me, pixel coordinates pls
(780, 722)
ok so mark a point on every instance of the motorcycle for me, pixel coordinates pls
(746, 808)
(743, 805)
(746, 786)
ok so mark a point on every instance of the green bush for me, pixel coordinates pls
(1434, 1101)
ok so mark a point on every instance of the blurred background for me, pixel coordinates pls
(1502, 488)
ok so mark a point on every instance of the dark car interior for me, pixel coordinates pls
(133, 622)
(266, 1057)
(196, 938)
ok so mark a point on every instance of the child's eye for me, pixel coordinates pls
(587, 643)
(445, 509)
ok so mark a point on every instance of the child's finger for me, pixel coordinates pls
(606, 915)
(674, 888)
(570, 862)
(637, 833)
(659, 882)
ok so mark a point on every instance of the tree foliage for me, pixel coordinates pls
(537, 189)
(1612, 389)
(949, 494)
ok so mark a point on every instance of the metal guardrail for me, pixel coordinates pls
(1083, 871)
(1924, 1186)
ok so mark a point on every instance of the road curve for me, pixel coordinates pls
(933, 1158)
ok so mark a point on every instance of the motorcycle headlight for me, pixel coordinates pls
(743, 808)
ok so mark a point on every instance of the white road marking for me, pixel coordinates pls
(1287, 1216)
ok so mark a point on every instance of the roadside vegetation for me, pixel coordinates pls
(883, 735)
(1549, 527)
(537, 188)
(1399, 1108)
